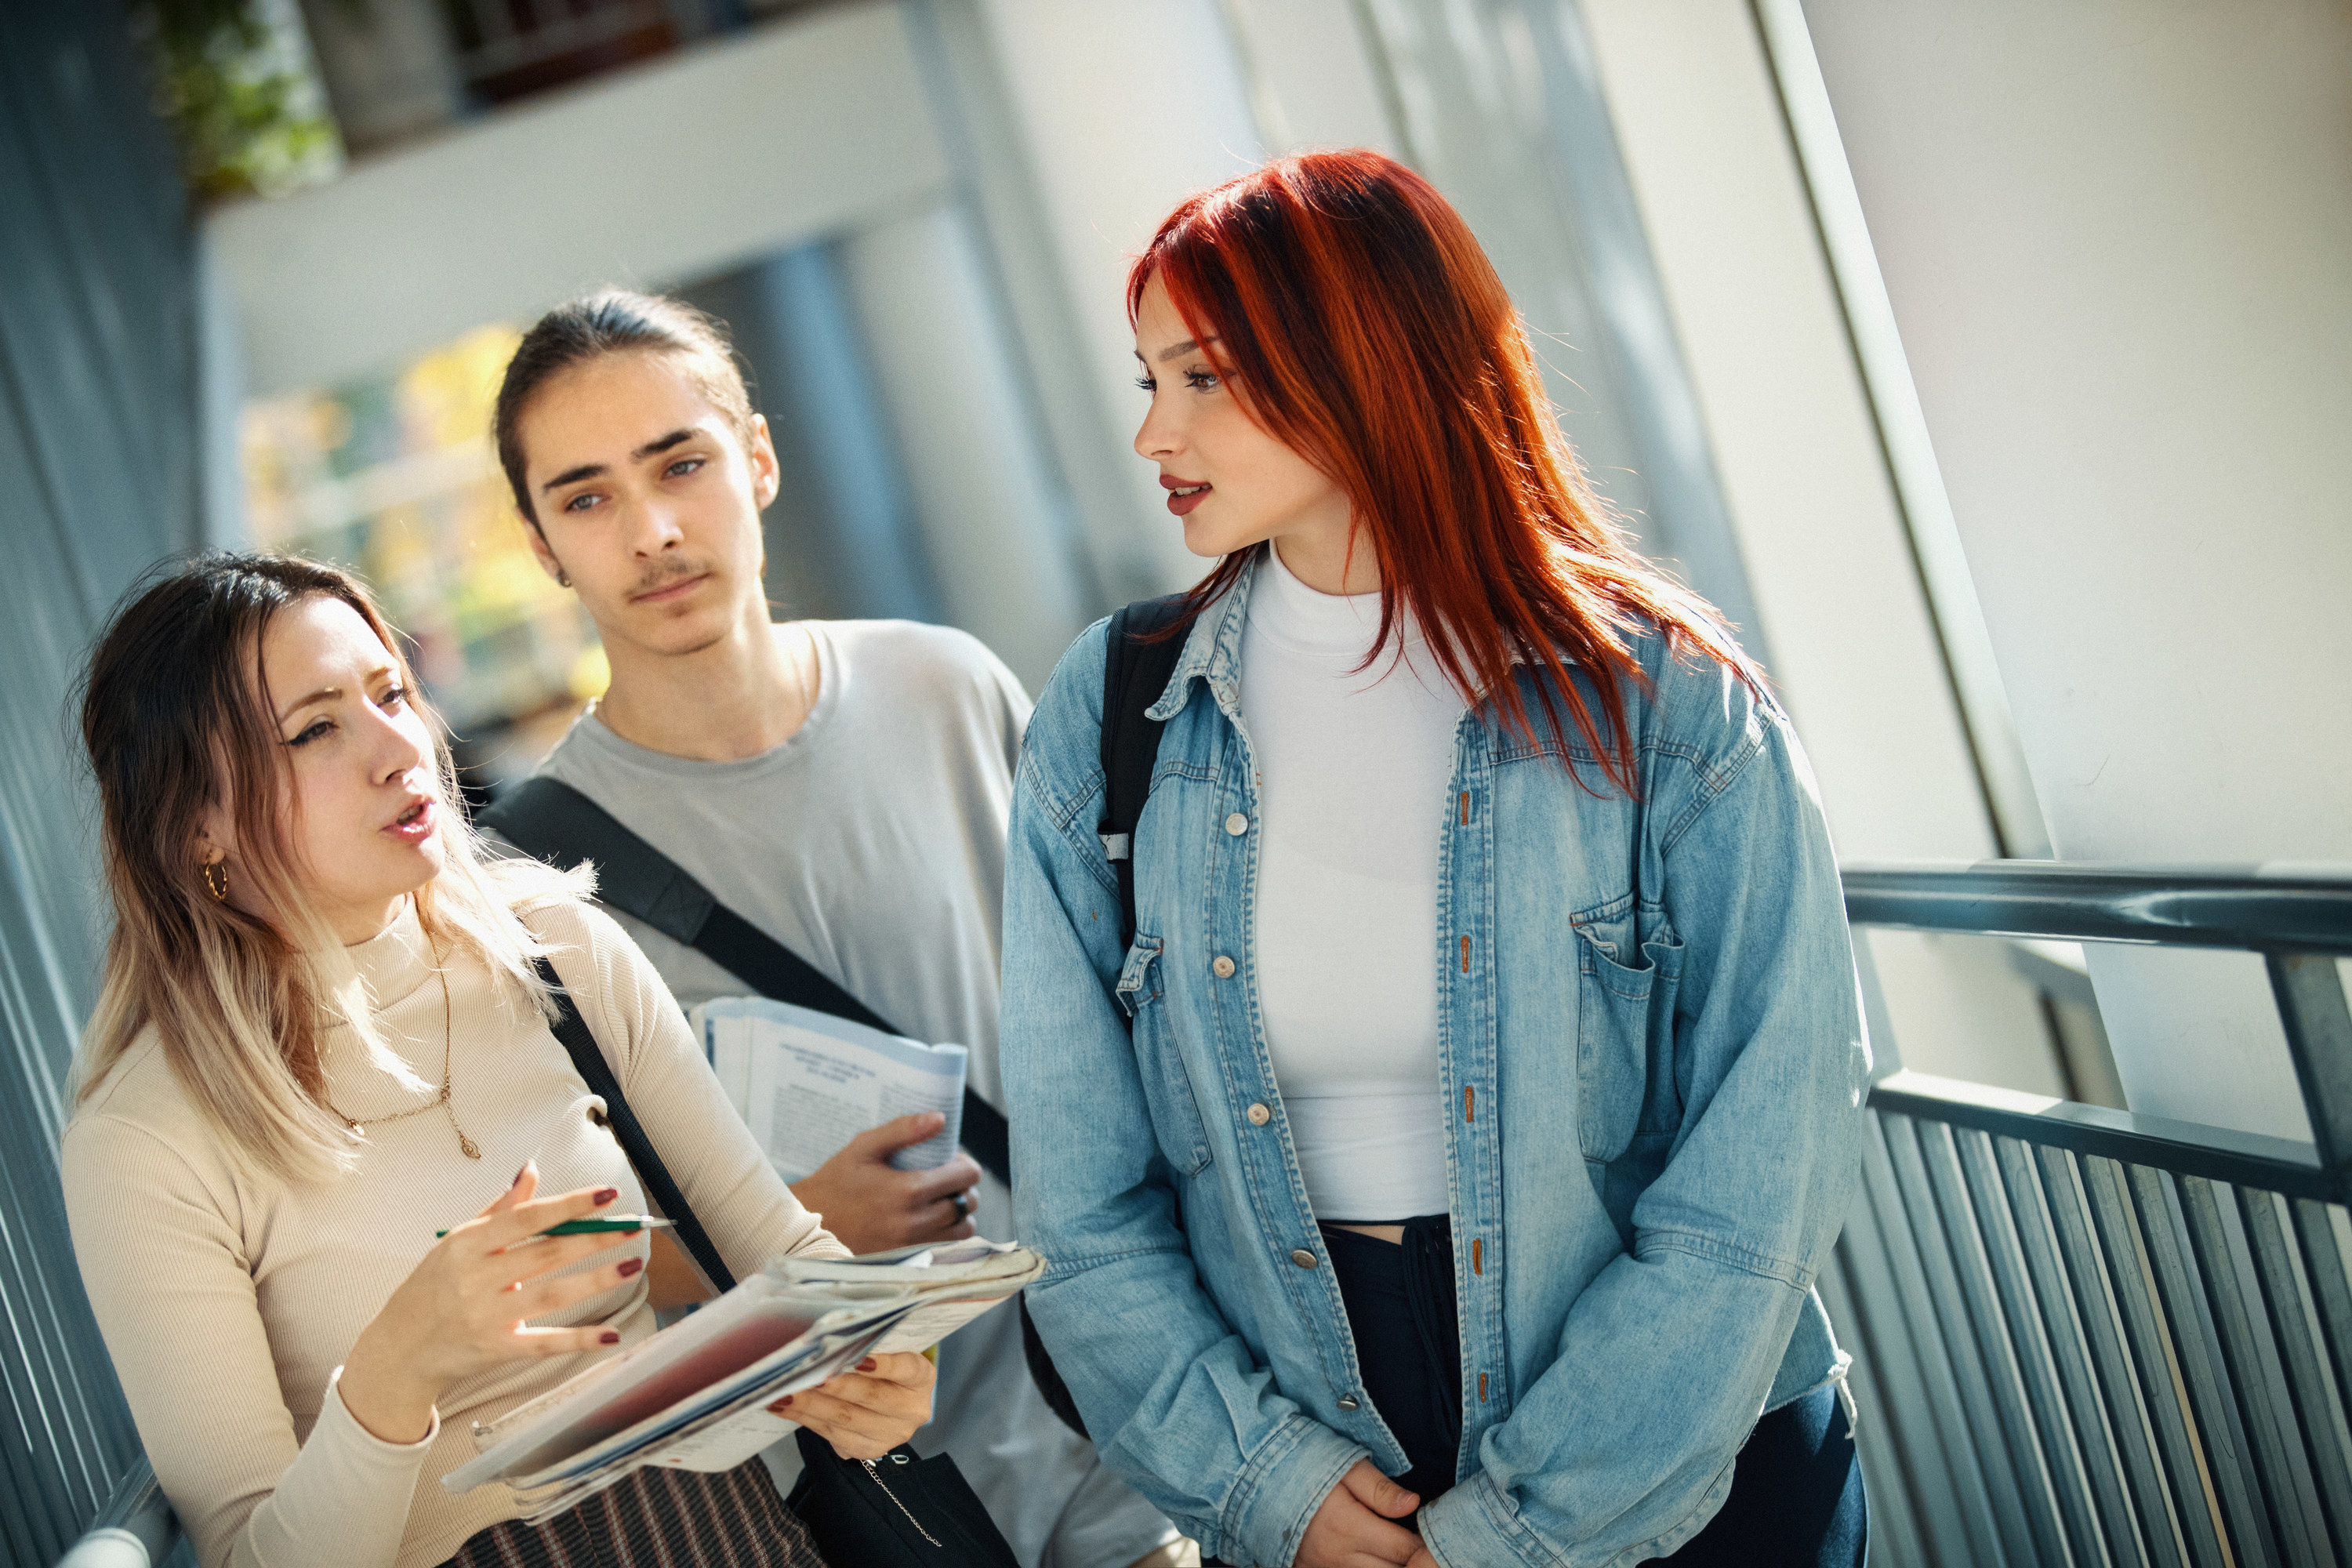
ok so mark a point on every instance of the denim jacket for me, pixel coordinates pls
(1653, 1061)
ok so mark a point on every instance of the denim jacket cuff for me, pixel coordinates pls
(1475, 1526)
(1280, 1487)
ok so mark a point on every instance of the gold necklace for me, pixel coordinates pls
(440, 1099)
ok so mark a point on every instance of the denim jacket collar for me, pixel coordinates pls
(1212, 652)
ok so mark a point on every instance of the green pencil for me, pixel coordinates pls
(598, 1223)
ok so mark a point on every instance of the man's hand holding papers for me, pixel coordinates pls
(872, 1205)
(861, 1124)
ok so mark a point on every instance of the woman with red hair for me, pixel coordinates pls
(1438, 1170)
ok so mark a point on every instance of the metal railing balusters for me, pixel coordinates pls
(2243, 1506)
(1962, 1509)
(2307, 1392)
(1985, 1430)
(2116, 1392)
(2066, 1450)
(1880, 1359)
(1939, 1150)
(2250, 1379)
(2163, 1387)
(2331, 1291)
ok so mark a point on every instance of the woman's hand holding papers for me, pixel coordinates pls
(872, 1206)
(462, 1308)
(866, 1413)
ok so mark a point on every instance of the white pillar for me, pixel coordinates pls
(1126, 107)
(2115, 237)
(994, 535)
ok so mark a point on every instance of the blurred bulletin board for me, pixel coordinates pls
(395, 478)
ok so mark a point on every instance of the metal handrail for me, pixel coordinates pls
(2097, 1336)
(2249, 908)
(2299, 920)
(135, 1529)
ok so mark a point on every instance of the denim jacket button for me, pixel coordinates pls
(1347, 1401)
(1304, 1258)
(1237, 824)
(1222, 967)
(1258, 1115)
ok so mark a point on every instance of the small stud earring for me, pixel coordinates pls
(217, 881)
(562, 578)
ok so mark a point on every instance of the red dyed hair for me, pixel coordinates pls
(1367, 331)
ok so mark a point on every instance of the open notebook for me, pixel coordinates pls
(695, 1395)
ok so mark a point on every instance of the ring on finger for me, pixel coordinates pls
(962, 1203)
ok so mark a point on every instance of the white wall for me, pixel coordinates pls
(1125, 108)
(1308, 70)
(2116, 236)
(673, 171)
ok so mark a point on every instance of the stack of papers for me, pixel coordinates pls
(807, 1082)
(695, 1395)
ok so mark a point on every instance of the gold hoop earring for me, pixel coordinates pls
(217, 881)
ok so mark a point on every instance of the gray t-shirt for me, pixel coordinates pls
(872, 844)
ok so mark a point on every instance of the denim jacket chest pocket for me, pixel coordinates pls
(1166, 1086)
(1627, 1086)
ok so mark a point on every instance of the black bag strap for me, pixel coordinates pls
(589, 1060)
(1135, 673)
(549, 820)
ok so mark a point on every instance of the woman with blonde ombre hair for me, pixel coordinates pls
(1438, 1170)
(321, 1039)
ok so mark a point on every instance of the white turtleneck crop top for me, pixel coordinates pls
(1353, 769)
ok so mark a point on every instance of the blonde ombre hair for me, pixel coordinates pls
(176, 717)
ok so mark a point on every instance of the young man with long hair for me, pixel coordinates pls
(842, 785)
(1438, 1170)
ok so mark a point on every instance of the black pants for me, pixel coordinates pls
(1796, 1491)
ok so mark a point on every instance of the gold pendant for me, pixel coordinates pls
(466, 1144)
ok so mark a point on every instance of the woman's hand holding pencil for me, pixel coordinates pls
(465, 1307)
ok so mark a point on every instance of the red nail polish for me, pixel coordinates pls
(606, 1194)
(868, 1365)
(629, 1266)
(610, 1337)
(787, 1399)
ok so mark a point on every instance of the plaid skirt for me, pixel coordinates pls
(657, 1518)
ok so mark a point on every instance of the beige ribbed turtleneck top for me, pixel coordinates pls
(229, 1301)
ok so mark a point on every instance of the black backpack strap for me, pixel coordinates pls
(1135, 673)
(589, 1060)
(549, 820)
